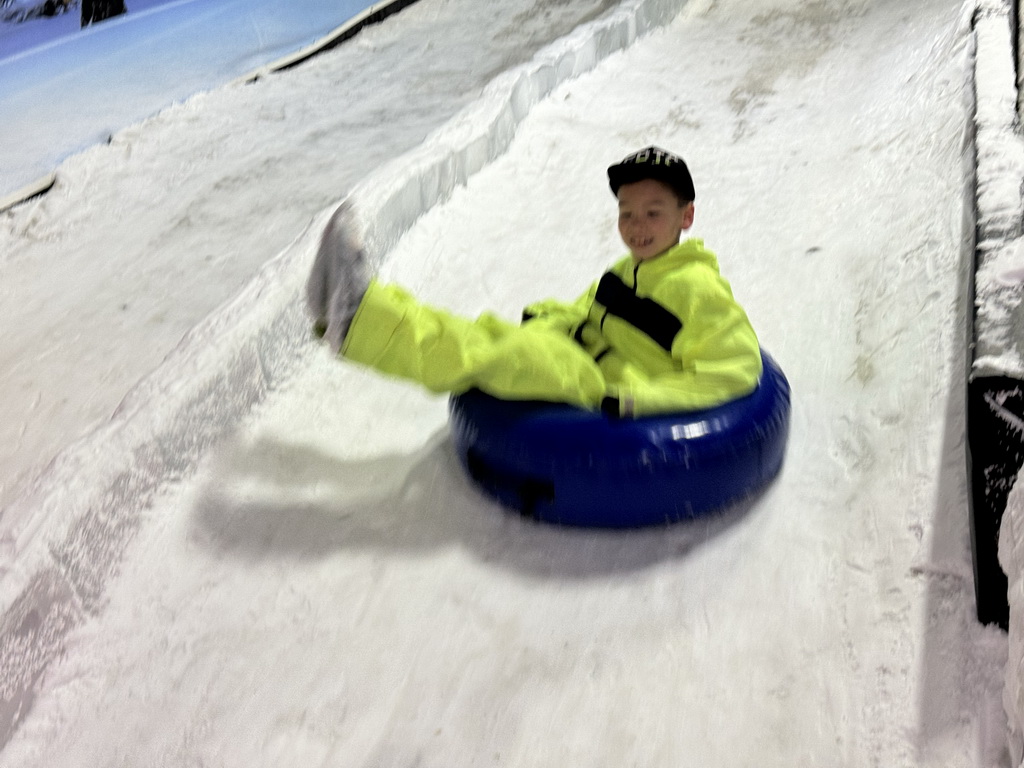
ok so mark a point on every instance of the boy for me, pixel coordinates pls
(659, 332)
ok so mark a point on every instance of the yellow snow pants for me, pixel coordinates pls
(395, 334)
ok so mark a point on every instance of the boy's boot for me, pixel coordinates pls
(339, 278)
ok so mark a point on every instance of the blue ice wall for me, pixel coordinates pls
(63, 88)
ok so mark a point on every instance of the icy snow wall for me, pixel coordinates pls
(996, 379)
(995, 397)
(190, 46)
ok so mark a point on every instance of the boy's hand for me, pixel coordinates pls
(339, 278)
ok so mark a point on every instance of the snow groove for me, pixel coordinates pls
(64, 538)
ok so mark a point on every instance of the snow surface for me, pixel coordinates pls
(326, 588)
(204, 212)
(109, 75)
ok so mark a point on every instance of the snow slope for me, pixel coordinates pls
(144, 237)
(63, 535)
(110, 75)
(328, 589)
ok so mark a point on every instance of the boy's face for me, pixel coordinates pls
(651, 218)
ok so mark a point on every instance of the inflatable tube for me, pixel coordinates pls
(561, 464)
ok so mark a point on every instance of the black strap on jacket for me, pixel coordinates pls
(645, 315)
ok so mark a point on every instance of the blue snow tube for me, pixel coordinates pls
(561, 464)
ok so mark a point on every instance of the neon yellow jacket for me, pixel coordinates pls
(666, 333)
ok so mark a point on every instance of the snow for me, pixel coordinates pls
(1000, 275)
(999, 321)
(268, 556)
(115, 73)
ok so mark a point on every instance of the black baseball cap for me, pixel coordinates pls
(653, 163)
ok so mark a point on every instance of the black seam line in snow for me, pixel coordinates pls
(346, 31)
(646, 315)
(30, 191)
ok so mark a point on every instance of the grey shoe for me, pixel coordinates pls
(339, 278)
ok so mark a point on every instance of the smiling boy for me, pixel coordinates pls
(659, 332)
